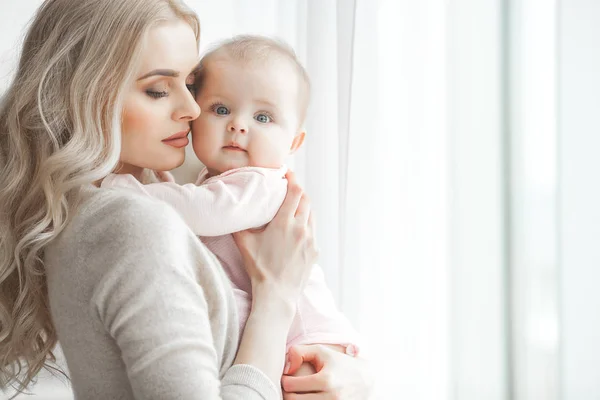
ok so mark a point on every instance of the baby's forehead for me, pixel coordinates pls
(224, 62)
(275, 77)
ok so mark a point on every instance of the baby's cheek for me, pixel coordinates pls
(273, 152)
(264, 156)
(202, 148)
(196, 128)
(204, 131)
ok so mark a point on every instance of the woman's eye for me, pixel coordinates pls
(263, 118)
(156, 95)
(221, 110)
(191, 87)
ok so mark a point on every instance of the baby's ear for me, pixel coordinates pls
(297, 143)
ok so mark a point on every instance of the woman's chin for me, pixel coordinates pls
(170, 163)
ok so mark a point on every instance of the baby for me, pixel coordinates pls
(253, 93)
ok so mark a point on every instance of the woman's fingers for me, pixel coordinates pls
(291, 176)
(307, 396)
(339, 376)
(292, 198)
(293, 362)
(312, 227)
(319, 382)
(310, 353)
(313, 354)
(303, 211)
(296, 204)
(279, 257)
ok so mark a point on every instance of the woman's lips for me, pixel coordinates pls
(178, 140)
(178, 143)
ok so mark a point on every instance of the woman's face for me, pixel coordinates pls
(159, 106)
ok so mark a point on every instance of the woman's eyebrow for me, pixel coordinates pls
(171, 73)
(161, 72)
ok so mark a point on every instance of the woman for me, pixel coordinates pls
(102, 85)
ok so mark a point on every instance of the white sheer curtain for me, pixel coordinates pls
(375, 166)
(436, 235)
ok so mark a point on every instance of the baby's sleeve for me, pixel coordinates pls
(233, 201)
(318, 320)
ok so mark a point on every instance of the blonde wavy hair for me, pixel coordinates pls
(60, 128)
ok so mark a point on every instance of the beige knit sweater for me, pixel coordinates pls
(132, 320)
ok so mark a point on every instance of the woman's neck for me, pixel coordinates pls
(130, 169)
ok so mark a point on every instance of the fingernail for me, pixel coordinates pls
(351, 350)
(287, 368)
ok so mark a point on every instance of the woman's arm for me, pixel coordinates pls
(278, 260)
(167, 305)
(163, 297)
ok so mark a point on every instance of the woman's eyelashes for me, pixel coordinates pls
(155, 94)
(158, 94)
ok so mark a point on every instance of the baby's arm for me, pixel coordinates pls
(234, 201)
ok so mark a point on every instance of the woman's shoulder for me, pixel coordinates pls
(124, 216)
(115, 207)
(116, 240)
(111, 223)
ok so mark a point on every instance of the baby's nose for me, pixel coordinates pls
(237, 128)
(238, 124)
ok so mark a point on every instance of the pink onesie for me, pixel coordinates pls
(236, 200)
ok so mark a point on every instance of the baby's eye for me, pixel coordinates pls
(221, 110)
(263, 118)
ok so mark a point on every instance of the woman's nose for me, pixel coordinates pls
(188, 110)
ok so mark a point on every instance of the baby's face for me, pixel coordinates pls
(250, 115)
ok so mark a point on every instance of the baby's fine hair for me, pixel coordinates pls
(256, 48)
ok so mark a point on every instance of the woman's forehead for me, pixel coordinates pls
(169, 46)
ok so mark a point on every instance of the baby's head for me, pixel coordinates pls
(253, 93)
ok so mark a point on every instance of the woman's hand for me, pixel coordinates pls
(278, 258)
(338, 375)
